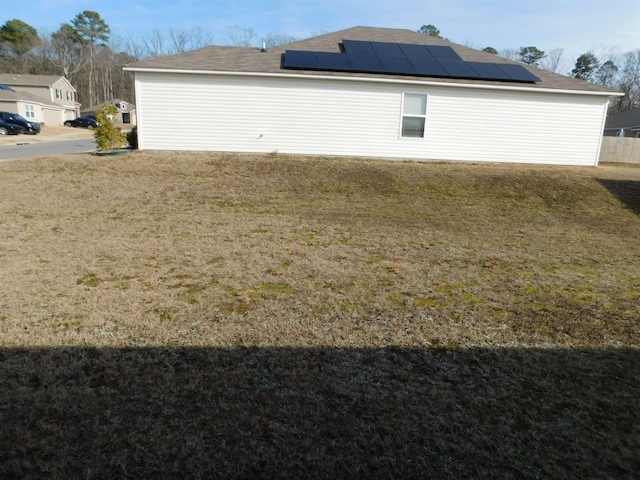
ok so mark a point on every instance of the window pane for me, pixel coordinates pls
(413, 127)
(415, 104)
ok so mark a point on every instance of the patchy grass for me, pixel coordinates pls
(164, 315)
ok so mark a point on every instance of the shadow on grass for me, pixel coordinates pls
(627, 191)
(319, 413)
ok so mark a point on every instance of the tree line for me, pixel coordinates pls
(85, 51)
(81, 50)
(618, 71)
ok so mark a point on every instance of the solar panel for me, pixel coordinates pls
(428, 67)
(412, 51)
(395, 64)
(387, 49)
(300, 59)
(333, 61)
(357, 47)
(517, 73)
(442, 52)
(6, 87)
(458, 69)
(366, 63)
(488, 71)
(404, 59)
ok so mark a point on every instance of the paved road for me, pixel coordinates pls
(26, 150)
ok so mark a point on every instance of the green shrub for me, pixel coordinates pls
(132, 137)
(106, 134)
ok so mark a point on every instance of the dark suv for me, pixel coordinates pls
(29, 127)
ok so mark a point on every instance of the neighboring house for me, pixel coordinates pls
(126, 111)
(31, 107)
(395, 99)
(624, 124)
(51, 89)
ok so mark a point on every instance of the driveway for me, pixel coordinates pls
(48, 134)
(50, 141)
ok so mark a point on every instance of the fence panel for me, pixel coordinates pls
(620, 150)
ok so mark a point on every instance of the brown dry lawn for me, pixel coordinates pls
(172, 315)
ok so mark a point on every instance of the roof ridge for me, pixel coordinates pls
(252, 60)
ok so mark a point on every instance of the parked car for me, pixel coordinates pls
(31, 128)
(84, 122)
(10, 128)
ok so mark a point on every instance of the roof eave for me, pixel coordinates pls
(394, 80)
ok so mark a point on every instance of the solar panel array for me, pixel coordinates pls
(404, 59)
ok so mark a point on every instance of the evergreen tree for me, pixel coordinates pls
(91, 28)
(430, 31)
(16, 41)
(606, 73)
(530, 55)
(586, 66)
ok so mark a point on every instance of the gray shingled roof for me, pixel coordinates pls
(253, 60)
(19, 96)
(26, 80)
(95, 108)
(626, 120)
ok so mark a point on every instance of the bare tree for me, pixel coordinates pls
(157, 43)
(510, 54)
(42, 56)
(276, 39)
(154, 44)
(240, 37)
(554, 62)
(134, 47)
(629, 81)
(184, 40)
(68, 50)
(317, 33)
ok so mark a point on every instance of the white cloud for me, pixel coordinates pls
(140, 9)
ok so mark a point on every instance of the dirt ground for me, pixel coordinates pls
(169, 315)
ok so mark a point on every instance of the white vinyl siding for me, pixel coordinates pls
(349, 118)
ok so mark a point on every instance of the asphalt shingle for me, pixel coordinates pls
(254, 60)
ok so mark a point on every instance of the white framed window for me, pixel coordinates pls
(68, 95)
(29, 111)
(58, 93)
(414, 115)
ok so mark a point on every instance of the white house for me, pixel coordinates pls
(352, 97)
(126, 111)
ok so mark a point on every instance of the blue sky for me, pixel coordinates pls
(576, 26)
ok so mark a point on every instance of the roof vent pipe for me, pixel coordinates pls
(264, 47)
